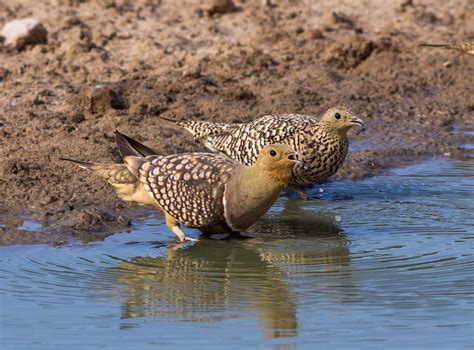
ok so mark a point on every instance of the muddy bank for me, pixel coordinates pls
(118, 65)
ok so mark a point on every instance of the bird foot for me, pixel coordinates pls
(181, 235)
(180, 244)
(174, 247)
(303, 196)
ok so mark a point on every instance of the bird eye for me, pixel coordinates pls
(337, 116)
(273, 153)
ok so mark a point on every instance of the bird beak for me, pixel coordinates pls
(357, 121)
(294, 157)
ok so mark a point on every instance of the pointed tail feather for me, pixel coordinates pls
(168, 119)
(130, 147)
(199, 129)
(82, 164)
(126, 184)
(435, 45)
(188, 125)
(464, 47)
(114, 173)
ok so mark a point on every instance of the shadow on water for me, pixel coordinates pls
(216, 279)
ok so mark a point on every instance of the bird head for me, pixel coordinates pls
(277, 160)
(340, 120)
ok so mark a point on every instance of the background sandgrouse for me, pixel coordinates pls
(321, 144)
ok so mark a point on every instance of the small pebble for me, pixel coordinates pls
(447, 64)
(22, 32)
(221, 7)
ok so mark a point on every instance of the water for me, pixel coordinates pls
(387, 262)
(30, 225)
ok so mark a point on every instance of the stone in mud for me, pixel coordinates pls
(3, 73)
(101, 98)
(349, 54)
(106, 3)
(221, 7)
(22, 32)
(76, 117)
(343, 20)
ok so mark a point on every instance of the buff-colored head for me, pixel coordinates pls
(277, 159)
(340, 119)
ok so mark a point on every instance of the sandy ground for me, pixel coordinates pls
(117, 64)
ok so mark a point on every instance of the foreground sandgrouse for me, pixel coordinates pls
(465, 47)
(321, 144)
(207, 191)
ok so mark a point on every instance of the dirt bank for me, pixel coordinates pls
(117, 64)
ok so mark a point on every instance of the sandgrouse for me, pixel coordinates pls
(321, 144)
(465, 47)
(207, 191)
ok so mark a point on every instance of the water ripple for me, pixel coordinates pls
(392, 252)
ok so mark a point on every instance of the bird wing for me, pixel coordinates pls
(243, 142)
(187, 186)
(126, 184)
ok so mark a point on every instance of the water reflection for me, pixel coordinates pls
(214, 280)
(317, 239)
(295, 221)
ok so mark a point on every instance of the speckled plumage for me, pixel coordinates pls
(207, 191)
(188, 186)
(321, 144)
(464, 47)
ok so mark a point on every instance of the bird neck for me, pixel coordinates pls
(250, 194)
(271, 177)
(339, 132)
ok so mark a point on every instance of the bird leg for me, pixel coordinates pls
(302, 194)
(173, 225)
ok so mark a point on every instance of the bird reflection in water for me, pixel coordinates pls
(220, 279)
(288, 230)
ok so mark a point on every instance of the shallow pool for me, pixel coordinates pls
(387, 262)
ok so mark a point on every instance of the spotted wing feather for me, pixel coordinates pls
(189, 187)
(243, 142)
(322, 152)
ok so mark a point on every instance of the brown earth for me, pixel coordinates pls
(117, 64)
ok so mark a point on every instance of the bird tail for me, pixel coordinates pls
(200, 129)
(131, 147)
(177, 122)
(114, 173)
(194, 127)
(436, 45)
(126, 183)
(82, 164)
